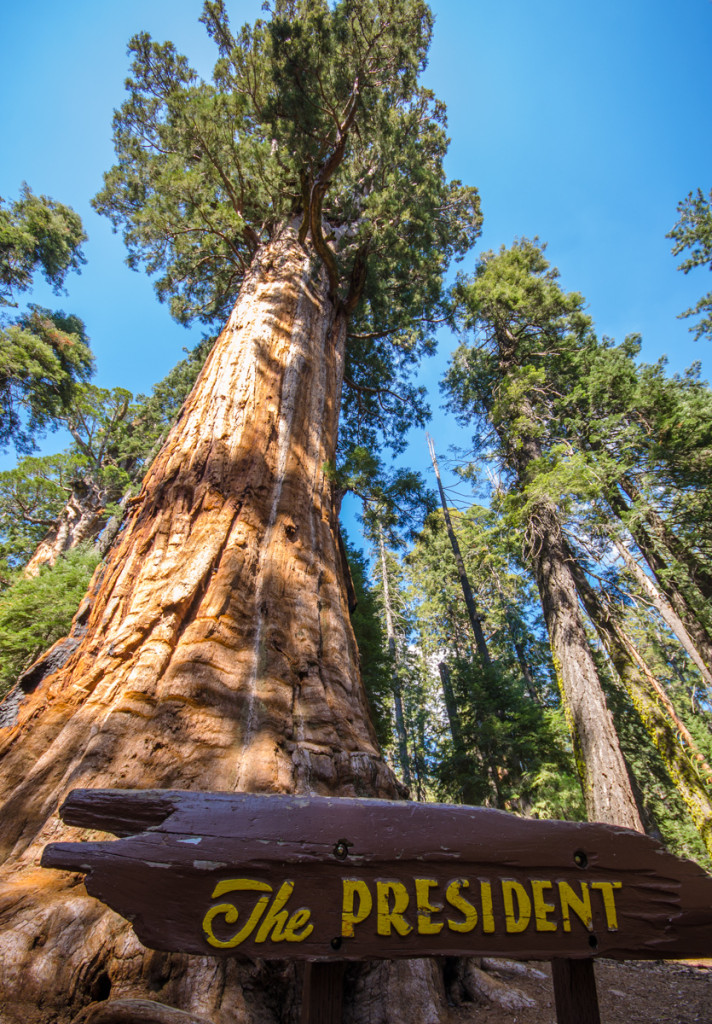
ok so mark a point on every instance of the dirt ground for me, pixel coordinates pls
(640, 992)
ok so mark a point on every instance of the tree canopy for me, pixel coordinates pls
(692, 234)
(313, 117)
(43, 354)
(37, 234)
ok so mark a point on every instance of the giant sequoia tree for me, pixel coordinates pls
(303, 189)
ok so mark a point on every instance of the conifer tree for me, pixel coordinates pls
(43, 354)
(693, 234)
(527, 331)
(501, 718)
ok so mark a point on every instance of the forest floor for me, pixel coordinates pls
(634, 992)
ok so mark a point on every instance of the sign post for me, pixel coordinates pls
(330, 880)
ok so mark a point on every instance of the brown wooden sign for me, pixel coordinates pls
(226, 874)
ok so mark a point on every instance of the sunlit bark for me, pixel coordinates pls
(217, 655)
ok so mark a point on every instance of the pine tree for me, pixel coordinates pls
(43, 354)
(505, 747)
(693, 234)
(527, 331)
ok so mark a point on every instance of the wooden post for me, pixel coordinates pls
(322, 995)
(575, 992)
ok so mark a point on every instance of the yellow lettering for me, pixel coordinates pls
(609, 903)
(487, 915)
(542, 909)
(296, 921)
(518, 922)
(426, 908)
(458, 901)
(581, 906)
(354, 887)
(231, 913)
(276, 918)
(392, 917)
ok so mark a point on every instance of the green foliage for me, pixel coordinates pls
(693, 234)
(512, 751)
(373, 654)
(43, 356)
(394, 500)
(613, 446)
(113, 439)
(34, 613)
(37, 234)
(529, 340)
(505, 596)
(32, 495)
(505, 733)
(151, 416)
(314, 117)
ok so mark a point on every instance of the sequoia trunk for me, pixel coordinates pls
(80, 520)
(217, 655)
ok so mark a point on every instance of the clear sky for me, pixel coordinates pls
(581, 121)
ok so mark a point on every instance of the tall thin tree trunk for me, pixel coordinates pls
(521, 656)
(607, 790)
(681, 552)
(470, 604)
(665, 610)
(674, 742)
(677, 594)
(218, 655)
(462, 756)
(606, 786)
(401, 732)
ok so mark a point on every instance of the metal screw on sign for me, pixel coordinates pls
(341, 848)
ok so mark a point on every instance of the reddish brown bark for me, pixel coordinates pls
(218, 655)
(80, 520)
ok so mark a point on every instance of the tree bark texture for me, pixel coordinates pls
(607, 789)
(606, 785)
(80, 520)
(218, 655)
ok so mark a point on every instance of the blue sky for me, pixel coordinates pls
(581, 122)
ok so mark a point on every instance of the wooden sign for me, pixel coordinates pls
(238, 875)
